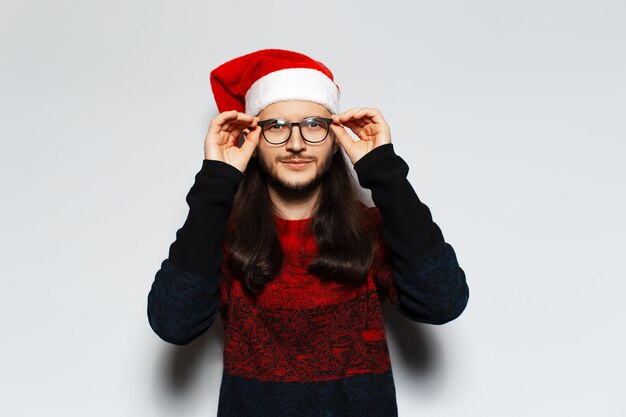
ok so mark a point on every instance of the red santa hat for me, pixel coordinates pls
(252, 82)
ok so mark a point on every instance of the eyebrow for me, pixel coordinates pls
(306, 117)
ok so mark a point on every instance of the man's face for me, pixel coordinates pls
(295, 165)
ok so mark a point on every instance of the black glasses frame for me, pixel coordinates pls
(291, 125)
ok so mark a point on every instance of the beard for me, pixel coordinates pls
(270, 174)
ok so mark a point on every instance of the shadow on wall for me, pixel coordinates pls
(416, 350)
(183, 362)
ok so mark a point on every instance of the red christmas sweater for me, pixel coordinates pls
(304, 347)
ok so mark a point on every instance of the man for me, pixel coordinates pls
(277, 241)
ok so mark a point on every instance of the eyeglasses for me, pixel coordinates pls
(312, 129)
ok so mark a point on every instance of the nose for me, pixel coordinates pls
(296, 143)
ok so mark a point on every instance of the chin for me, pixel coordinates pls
(303, 185)
(289, 180)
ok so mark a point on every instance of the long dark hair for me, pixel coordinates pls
(343, 232)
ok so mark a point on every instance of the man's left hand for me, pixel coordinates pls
(369, 126)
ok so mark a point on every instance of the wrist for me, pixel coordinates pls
(381, 167)
(213, 168)
(385, 151)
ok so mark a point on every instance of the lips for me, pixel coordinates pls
(296, 161)
(296, 164)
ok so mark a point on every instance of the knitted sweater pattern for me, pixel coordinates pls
(301, 329)
(305, 347)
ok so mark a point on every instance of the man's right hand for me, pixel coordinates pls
(221, 140)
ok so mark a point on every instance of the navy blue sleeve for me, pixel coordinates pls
(431, 286)
(184, 298)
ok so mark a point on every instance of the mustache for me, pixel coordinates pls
(296, 157)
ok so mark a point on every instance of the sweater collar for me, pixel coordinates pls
(291, 226)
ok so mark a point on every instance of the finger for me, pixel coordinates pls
(224, 119)
(244, 118)
(236, 131)
(343, 118)
(218, 121)
(366, 116)
(361, 112)
(357, 118)
(348, 114)
(228, 116)
(353, 124)
(233, 115)
(361, 122)
(355, 128)
(235, 124)
(361, 117)
(376, 116)
(242, 125)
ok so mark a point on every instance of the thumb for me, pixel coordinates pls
(251, 140)
(345, 140)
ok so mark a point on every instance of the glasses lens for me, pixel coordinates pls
(276, 131)
(314, 129)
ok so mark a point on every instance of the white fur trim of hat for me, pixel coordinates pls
(292, 84)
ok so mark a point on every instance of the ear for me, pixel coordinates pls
(335, 143)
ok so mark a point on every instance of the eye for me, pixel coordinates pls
(275, 125)
(315, 123)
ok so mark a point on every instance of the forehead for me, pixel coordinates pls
(293, 110)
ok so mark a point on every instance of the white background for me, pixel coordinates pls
(509, 113)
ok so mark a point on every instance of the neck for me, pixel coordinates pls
(293, 204)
